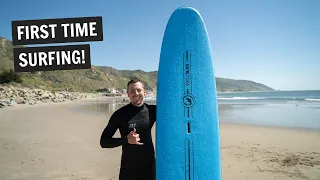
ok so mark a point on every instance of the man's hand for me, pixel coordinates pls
(133, 137)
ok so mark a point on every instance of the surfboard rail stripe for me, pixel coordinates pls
(188, 102)
(189, 159)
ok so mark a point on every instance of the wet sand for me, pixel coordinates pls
(59, 141)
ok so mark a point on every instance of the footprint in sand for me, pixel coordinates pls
(290, 160)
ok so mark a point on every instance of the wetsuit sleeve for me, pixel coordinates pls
(107, 140)
(154, 114)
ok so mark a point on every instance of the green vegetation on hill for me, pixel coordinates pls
(224, 84)
(97, 78)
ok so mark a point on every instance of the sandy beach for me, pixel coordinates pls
(56, 141)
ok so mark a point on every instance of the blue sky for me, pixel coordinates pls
(274, 42)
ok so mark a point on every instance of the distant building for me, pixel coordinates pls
(111, 90)
(123, 91)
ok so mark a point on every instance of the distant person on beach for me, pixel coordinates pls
(134, 121)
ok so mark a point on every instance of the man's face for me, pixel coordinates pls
(136, 93)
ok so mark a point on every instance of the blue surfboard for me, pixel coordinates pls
(187, 127)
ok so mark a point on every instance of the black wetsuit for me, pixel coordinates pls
(137, 161)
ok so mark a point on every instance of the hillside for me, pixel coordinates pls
(101, 77)
(224, 84)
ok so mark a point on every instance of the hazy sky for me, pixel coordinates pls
(274, 42)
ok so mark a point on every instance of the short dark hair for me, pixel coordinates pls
(135, 80)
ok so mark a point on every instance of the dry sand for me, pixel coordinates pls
(55, 142)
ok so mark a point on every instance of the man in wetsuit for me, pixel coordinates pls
(134, 121)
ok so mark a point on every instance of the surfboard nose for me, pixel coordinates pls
(185, 11)
(187, 8)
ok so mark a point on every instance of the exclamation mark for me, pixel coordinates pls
(83, 59)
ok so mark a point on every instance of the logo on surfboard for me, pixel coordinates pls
(188, 100)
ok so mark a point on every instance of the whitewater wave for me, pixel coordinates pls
(239, 98)
(288, 99)
(309, 99)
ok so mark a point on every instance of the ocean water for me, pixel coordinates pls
(265, 97)
(290, 109)
(271, 97)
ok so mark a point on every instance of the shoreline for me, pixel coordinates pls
(76, 101)
(79, 103)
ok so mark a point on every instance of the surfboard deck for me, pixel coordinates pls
(187, 127)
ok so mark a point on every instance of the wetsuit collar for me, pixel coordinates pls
(138, 108)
